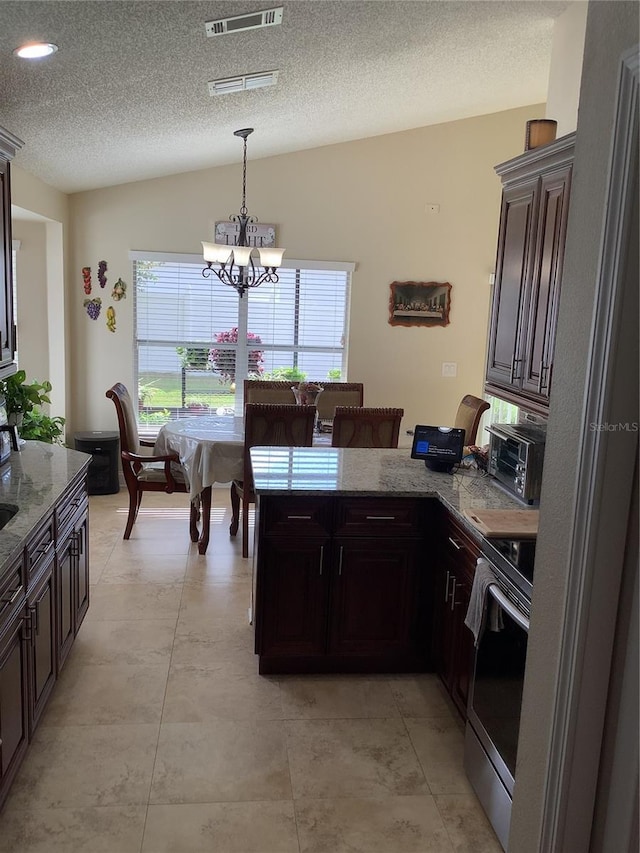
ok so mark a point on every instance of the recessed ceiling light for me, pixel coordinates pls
(35, 50)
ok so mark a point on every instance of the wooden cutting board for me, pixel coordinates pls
(507, 523)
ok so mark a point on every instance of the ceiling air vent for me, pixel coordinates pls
(243, 82)
(253, 21)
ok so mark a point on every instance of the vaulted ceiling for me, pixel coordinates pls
(126, 98)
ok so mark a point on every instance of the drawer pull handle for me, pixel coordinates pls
(11, 598)
(446, 588)
(456, 545)
(43, 549)
(321, 558)
(299, 517)
(340, 561)
(380, 517)
(453, 593)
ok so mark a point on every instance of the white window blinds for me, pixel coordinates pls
(187, 354)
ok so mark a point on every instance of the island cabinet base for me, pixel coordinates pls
(341, 584)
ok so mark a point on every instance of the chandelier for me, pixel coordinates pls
(235, 264)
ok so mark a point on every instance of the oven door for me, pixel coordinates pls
(495, 697)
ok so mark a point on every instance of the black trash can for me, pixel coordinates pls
(104, 467)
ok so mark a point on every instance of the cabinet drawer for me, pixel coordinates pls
(40, 547)
(12, 589)
(293, 516)
(460, 546)
(70, 506)
(378, 517)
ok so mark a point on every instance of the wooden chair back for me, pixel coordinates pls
(468, 416)
(338, 394)
(257, 391)
(279, 425)
(127, 423)
(358, 426)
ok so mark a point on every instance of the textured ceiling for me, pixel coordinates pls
(125, 98)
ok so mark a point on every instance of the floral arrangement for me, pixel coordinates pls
(223, 361)
(307, 393)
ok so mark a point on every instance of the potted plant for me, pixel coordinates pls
(20, 397)
(36, 426)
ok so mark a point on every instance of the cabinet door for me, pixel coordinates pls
(545, 286)
(42, 645)
(291, 597)
(81, 548)
(513, 268)
(462, 651)
(65, 598)
(374, 598)
(6, 273)
(13, 702)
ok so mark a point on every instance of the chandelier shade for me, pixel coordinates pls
(234, 264)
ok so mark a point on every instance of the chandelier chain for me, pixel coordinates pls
(243, 209)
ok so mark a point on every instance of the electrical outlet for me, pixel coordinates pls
(449, 368)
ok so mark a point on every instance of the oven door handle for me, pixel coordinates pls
(509, 608)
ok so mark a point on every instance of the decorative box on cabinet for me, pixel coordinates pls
(452, 649)
(338, 584)
(533, 221)
(9, 146)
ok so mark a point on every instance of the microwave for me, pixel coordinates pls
(516, 457)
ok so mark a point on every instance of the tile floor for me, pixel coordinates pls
(160, 736)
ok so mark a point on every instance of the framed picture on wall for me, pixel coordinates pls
(419, 303)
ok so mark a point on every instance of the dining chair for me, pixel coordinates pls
(358, 426)
(146, 473)
(268, 391)
(269, 424)
(338, 394)
(468, 416)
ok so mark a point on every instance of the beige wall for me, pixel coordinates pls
(40, 216)
(362, 201)
(566, 67)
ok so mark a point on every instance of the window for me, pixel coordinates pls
(190, 355)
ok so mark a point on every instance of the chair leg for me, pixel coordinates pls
(134, 503)
(205, 497)
(245, 528)
(235, 510)
(194, 517)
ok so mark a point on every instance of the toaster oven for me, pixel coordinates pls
(516, 457)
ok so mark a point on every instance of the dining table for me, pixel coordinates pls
(211, 450)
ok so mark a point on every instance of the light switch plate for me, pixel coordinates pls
(449, 368)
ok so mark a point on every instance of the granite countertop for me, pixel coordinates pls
(33, 480)
(367, 472)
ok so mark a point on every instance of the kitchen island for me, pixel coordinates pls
(349, 551)
(44, 585)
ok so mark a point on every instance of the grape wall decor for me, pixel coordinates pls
(102, 268)
(93, 307)
(86, 279)
(111, 318)
(119, 290)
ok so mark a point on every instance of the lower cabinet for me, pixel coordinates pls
(44, 595)
(41, 642)
(452, 641)
(14, 683)
(339, 591)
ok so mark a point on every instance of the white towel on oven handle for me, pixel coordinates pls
(475, 618)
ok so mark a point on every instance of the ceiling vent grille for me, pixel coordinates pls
(243, 82)
(239, 23)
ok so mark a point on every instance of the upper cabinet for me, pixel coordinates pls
(9, 145)
(533, 222)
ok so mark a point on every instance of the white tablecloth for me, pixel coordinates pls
(211, 449)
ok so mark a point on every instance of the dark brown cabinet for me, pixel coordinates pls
(44, 595)
(533, 221)
(14, 733)
(452, 641)
(9, 145)
(337, 584)
(41, 647)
